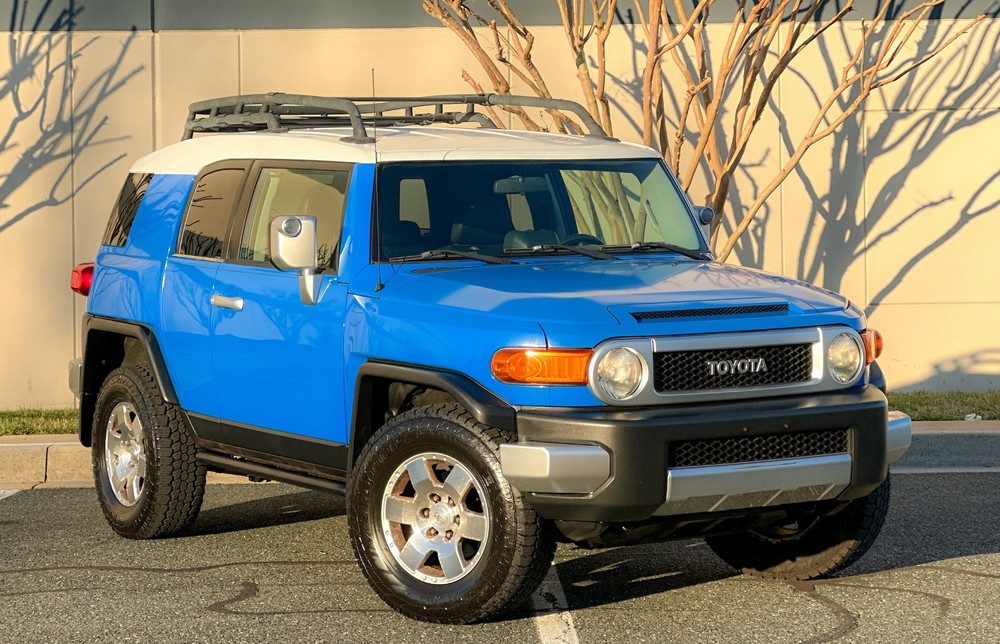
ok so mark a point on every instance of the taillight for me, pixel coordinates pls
(81, 278)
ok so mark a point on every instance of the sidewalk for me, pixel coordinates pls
(31, 462)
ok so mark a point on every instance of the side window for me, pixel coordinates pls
(207, 217)
(293, 191)
(413, 193)
(127, 205)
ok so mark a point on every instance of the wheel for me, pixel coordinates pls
(807, 546)
(581, 239)
(440, 535)
(148, 481)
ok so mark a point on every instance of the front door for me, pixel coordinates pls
(278, 363)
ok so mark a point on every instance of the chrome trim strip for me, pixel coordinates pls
(898, 436)
(546, 467)
(760, 484)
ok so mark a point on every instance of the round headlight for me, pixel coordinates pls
(619, 373)
(844, 358)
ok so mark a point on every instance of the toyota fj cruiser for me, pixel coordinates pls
(488, 340)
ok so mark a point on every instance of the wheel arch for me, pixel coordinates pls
(107, 345)
(372, 399)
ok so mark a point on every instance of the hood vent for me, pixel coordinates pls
(644, 316)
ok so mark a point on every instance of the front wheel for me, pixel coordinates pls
(440, 535)
(807, 545)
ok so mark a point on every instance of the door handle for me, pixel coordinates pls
(223, 302)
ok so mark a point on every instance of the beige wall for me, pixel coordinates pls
(901, 212)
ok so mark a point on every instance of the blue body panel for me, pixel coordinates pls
(286, 366)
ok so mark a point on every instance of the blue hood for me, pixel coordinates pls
(562, 292)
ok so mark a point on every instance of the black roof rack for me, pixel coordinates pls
(277, 112)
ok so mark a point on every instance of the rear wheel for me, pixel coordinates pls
(148, 481)
(440, 535)
(807, 545)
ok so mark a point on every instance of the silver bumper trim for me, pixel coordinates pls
(749, 485)
(559, 469)
(76, 376)
(898, 436)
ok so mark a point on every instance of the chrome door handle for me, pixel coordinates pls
(223, 302)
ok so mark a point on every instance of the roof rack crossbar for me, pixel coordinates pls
(278, 112)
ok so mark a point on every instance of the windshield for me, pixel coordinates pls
(505, 208)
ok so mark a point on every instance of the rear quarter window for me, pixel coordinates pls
(126, 206)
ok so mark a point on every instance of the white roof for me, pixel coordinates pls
(393, 144)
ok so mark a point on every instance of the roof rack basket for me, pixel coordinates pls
(277, 112)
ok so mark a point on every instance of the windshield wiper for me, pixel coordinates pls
(443, 253)
(549, 248)
(693, 253)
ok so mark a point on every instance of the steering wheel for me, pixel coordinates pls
(581, 239)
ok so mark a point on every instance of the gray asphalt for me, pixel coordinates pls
(272, 563)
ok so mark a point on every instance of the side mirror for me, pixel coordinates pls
(293, 243)
(705, 217)
(293, 248)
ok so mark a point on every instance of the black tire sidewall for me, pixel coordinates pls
(396, 586)
(123, 386)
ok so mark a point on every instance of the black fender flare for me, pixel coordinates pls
(104, 351)
(485, 406)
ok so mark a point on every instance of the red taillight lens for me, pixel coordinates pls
(81, 278)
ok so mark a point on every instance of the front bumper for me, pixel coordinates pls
(612, 465)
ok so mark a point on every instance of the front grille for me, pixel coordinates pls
(708, 312)
(708, 369)
(749, 449)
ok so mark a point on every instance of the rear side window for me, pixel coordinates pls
(207, 219)
(127, 205)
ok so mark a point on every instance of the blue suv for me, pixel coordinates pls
(489, 340)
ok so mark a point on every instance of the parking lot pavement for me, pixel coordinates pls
(271, 562)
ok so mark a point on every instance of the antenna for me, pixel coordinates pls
(379, 285)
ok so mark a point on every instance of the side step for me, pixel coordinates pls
(238, 466)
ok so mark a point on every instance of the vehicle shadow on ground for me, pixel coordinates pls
(270, 511)
(620, 574)
(922, 528)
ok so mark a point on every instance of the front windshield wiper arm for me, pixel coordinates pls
(548, 248)
(443, 253)
(693, 253)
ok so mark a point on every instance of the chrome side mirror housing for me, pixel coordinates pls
(293, 247)
(705, 217)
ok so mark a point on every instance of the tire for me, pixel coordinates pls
(439, 533)
(148, 481)
(811, 546)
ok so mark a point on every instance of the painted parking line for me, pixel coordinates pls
(5, 493)
(552, 617)
(946, 470)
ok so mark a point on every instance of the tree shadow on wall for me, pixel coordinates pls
(977, 371)
(53, 117)
(839, 223)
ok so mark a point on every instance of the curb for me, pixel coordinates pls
(56, 461)
(50, 461)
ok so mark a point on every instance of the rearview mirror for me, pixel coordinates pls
(518, 185)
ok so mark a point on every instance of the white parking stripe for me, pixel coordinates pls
(552, 617)
(5, 493)
(945, 470)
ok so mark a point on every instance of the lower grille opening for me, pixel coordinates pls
(750, 449)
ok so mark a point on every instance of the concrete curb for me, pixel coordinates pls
(30, 462)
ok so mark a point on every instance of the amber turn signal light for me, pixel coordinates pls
(548, 366)
(873, 345)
